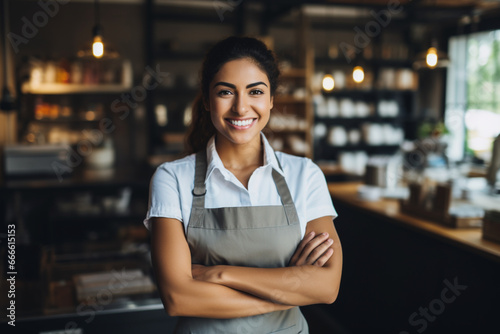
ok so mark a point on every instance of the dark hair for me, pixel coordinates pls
(231, 48)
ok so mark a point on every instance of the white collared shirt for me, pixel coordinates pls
(172, 183)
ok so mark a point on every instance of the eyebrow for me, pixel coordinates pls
(222, 83)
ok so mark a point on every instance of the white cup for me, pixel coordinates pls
(337, 136)
(332, 107)
(354, 136)
(347, 108)
(362, 109)
(339, 78)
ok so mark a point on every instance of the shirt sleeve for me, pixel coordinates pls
(319, 201)
(164, 196)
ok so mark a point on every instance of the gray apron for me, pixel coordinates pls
(256, 236)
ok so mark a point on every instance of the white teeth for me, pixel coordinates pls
(241, 123)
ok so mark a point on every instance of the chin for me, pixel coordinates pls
(240, 138)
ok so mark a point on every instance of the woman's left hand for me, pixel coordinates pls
(313, 250)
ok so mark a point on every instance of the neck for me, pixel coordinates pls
(240, 156)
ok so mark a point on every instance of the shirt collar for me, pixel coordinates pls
(214, 161)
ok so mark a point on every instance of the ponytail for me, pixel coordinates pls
(201, 128)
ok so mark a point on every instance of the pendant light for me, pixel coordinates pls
(431, 58)
(97, 46)
(98, 50)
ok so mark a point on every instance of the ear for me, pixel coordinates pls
(272, 103)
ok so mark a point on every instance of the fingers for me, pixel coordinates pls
(316, 249)
(296, 256)
(320, 262)
(312, 249)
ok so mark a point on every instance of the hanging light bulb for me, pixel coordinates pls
(431, 58)
(358, 74)
(328, 82)
(97, 45)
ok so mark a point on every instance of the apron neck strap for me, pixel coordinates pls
(200, 174)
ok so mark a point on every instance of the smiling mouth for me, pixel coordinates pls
(239, 124)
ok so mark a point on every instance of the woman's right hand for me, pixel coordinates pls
(313, 250)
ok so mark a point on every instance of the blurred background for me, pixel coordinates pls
(396, 100)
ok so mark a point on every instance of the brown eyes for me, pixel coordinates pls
(226, 92)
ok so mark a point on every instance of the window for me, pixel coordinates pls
(473, 94)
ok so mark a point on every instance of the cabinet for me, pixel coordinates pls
(88, 224)
(81, 251)
(356, 121)
(81, 104)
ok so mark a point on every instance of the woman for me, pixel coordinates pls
(227, 222)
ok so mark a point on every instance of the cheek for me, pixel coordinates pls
(264, 106)
(220, 105)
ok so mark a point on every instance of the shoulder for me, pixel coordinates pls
(177, 168)
(296, 165)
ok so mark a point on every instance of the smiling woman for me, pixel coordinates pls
(241, 235)
(240, 110)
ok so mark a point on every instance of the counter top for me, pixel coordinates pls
(83, 178)
(388, 209)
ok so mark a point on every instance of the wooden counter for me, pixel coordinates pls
(388, 209)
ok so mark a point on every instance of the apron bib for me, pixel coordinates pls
(257, 236)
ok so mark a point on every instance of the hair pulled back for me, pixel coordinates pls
(231, 48)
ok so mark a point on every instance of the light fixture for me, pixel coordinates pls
(431, 58)
(328, 82)
(97, 46)
(358, 74)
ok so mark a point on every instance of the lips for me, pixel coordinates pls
(241, 123)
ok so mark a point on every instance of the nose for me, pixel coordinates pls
(241, 105)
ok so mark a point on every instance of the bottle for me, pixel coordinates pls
(63, 71)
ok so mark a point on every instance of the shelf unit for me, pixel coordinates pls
(64, 241)
(291, 118)
(325, 150)
(404, 95)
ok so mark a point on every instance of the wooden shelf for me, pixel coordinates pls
(379, 62)
(357, 120)
(371, 92)
(62, 88)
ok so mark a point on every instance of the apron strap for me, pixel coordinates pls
(200, 190)
(286, 197)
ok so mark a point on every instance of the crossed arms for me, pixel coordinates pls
(312, 277)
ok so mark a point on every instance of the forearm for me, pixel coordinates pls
(302, 283)
(209, 300)
(299, 285)
(184, 296)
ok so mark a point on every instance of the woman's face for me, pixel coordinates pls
(240, 101)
